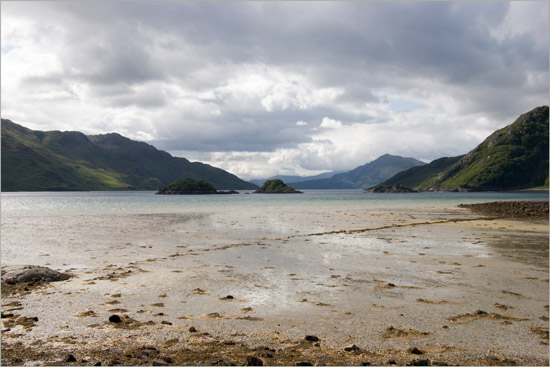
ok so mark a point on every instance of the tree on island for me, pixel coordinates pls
(276, 186)
(188, 186)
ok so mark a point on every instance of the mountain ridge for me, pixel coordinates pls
(514, 157)
(54, 160)
(365, 175)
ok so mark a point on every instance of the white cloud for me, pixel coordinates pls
(338, 86)
(328, 123)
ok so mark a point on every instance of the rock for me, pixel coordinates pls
(168, 359)
(351, 348)
(157, 362)
(365, 363)
(254, 361)
(97, 364)
(311, 338)
(192, 329)
(115, 319)
(69, 358)
(276, 186)
(229, 297)
(31, 274)
(415, 350)
(421, 362)
(303, 363)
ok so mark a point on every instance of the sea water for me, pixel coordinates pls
(146, 202)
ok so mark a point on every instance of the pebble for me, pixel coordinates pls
(421, 362)
(192, 329)
(157, 362)
(115, 319)
(303, 363)
(351, 348)
(70, 358)
(415, 350)
(254, 361)
(311, 338)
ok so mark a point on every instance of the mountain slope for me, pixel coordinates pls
(363, 176)
(514, 157)
(420, 177)
(54, 160)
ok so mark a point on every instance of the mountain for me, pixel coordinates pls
(512, 158)
(294, 179)
(422, 176)
(55, 160)
(363, 176)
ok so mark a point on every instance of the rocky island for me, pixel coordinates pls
(276, 186)
(390, 189)
(191, 186)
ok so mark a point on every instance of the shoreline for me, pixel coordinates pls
(410, 286)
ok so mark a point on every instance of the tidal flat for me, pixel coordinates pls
(323, 285)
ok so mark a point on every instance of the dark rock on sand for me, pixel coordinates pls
(157, 362)
(69, 358)
(415, 350)
(303, 363)
(351, 348)
(192, 329)
(254, 361)
(511, 209)
(421, 362)
(311, 338)
(115, 319)
(31, 274)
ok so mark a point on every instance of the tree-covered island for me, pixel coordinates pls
(191, 186)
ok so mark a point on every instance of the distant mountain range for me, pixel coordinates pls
(512, 158)
(293, 179)
(55, 161)
(363, 176)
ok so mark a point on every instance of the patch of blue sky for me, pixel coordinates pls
(399, 105)
(7, 48)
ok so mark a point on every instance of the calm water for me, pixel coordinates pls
(113, 202)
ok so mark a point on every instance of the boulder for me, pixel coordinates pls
(31, 274)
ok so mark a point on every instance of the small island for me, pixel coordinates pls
(191, 186)
(381, 188)
(276, 186)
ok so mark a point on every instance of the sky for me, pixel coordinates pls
(263, 88)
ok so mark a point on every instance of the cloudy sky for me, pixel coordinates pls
(264, 88)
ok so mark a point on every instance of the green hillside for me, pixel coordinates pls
(512, 158)
(54, 160)
(422, 177)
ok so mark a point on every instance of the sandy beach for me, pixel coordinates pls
(424, 286)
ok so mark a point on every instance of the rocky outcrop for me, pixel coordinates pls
(391, 189)
(276, 186)
(31, 274)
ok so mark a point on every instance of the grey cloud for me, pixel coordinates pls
(124, 50)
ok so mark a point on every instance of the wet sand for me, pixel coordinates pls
(438, 286)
